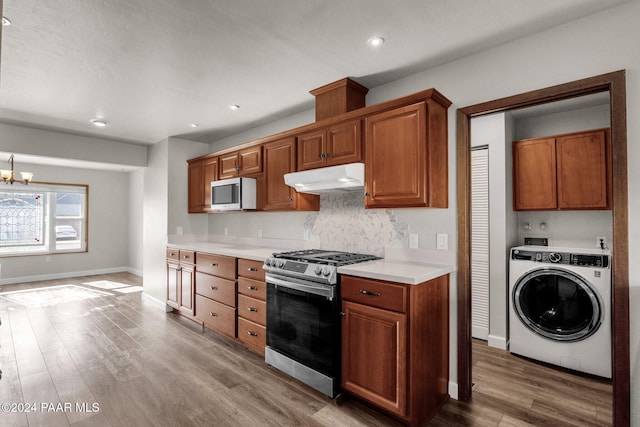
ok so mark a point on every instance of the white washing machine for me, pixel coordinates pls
(560, 307)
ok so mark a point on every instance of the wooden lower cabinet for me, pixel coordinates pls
(215, 292)
(395, 346)
(252, 305)
(180, 280)
(217, 316)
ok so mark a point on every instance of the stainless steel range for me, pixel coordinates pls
(303, 315)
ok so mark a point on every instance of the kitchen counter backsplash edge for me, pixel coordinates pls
(409, 266)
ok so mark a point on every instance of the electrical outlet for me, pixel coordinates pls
(601, 242)
(305, 234)
(179, 230)
(413, 240)
(259, 232)
(442, 241)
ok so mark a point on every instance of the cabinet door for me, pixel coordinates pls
(229, 165)
(534, 174)
(210, 173)
(374, 355)
(582, 171)
(196, 187)
(344, 143)
(250, 160)
(395, 150)
(312, 150)
(173, 285)
(279, 159)
(187, 283)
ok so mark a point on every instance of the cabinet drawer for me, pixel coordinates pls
(251, 269)
(216, 288)
(173, 254)
(252, 309)
(252, 334)
(252, 288)
(187, 257)
(216, 316)
(218, 265)
(374, 293)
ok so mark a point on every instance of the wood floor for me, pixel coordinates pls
(116, 360)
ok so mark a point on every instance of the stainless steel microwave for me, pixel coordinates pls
(233, 194)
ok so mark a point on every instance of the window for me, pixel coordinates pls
(43, 218)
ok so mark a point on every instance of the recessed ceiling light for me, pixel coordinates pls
(193, 125)
(234, 107)
(5, 21)
(99, 122)
(375, 41)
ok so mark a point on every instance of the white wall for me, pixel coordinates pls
(37, 142)
(598, 44)
(496, 132)
(108, 228)
(136, 220)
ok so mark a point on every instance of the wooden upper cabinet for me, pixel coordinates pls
(583, 178)
(201, 173)
(244, 162)
(406, 160)
(331, 146)
(280, 159)
(534, 174)
(562, 172)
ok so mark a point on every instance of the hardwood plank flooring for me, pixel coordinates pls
(140, 366)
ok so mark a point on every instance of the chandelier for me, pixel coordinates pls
(8, 176)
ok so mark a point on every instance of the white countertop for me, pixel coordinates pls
(401, 266)
(408, 272)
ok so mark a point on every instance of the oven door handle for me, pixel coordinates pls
(303, 286)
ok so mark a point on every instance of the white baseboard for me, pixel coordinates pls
(498, 342)
(134, 271)
(65, 275)
(453, 390)
(479, 332)
(156, 302)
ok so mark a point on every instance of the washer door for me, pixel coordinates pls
(558, 304)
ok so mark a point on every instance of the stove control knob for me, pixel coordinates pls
(267, 262)
(280, 263)
(318, 271)
(326, 272)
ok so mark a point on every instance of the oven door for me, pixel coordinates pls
(303, 323)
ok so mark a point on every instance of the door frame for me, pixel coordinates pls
(615, 84)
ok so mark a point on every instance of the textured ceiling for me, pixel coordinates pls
(152, 67)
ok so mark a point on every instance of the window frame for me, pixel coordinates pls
(50, 218)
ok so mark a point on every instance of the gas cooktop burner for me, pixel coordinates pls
(319, 256)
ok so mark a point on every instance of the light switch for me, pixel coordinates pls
(413, 240)
(442, 241)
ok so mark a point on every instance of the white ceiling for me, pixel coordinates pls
(152, 67)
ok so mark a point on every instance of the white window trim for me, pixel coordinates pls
(50, 219)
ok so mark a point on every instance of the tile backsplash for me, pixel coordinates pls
(344, 224)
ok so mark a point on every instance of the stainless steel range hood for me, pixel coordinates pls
(333, 179)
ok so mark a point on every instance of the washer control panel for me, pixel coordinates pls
(568, 258)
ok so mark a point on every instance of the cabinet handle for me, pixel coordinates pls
(255, 310)
(373, 294)
(327, 155)
(214, 288)
(237, 168)
(172, 254)
(252, 288)
(186, 257)
(252, 269)
(291, 199)
(253, 334)
(366, 193)
(212, 314)
(213, 264)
